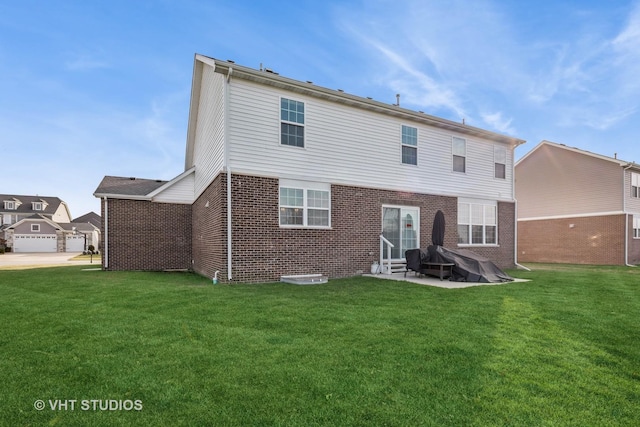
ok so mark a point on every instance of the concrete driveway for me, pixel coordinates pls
(14, 261)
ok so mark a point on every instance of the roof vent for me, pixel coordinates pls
(133, 178)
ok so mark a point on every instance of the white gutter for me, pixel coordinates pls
(105, 257)
(626, 217)
(228, 170)
(515, 215)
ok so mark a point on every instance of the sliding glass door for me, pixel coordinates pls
(401, 226)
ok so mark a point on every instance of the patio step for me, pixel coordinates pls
(398, 266)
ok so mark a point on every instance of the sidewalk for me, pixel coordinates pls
(16, 261)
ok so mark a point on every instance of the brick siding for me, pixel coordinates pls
(585, 240)
(147, 236)
(263, 251)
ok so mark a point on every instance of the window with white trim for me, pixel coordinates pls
(635, 184)
(37, 206)
(636, 226)
(459, 153)
(477, 223)
(291, 122)
(500, 162)
(305, 204)
(9, 205)
(35, 228)
(409, 145)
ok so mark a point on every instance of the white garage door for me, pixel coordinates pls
(75, 243)
(35, 243)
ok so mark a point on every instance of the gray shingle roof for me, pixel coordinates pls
(118, 185)
(50, 206)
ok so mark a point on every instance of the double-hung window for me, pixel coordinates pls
(409, 145)
(305, 204)
(291, 122)
(477, 222)
(636, 226)
(459, 152)
(500, 162)
(9, 205)
(37, 206)
(635, 184)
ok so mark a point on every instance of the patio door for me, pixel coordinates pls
(401, 226)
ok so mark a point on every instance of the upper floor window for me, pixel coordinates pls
(500, 161)
(37, 206)
(477, 223)
(292, 122)
(459, 152)
(304, 204)
(9, 205)
(35, 228)
(635, 184)
(409, 145)
(636, 226)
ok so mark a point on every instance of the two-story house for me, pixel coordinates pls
(286, 177)
(43, 224)
(577, 207)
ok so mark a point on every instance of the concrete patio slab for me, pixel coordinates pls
(434, 281)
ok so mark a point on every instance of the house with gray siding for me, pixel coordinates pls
(44, 224)
(578, 207)
(284, 177)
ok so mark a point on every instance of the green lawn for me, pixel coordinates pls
(563, 349)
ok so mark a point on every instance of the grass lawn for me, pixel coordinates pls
(563, 349)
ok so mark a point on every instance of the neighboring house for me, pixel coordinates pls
(91, 218)
(578, 207)
(14, 208)
(316, 176)
(43, 224)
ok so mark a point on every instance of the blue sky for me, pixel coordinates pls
(95, 88)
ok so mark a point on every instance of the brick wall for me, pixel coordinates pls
(147, 236)
(209, 236)
(634, 245)
(262, 251)
(588, 240)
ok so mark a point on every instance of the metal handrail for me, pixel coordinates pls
(383, 241)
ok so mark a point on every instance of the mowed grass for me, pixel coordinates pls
(563, 349)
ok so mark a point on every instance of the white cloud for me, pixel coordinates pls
(498, 122)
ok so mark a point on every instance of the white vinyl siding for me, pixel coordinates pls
(208, 151)
(351, 146)
(477, 222)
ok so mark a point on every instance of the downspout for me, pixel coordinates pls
(515, 214)
(228, 169)
(626, 217)
(106, 236)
